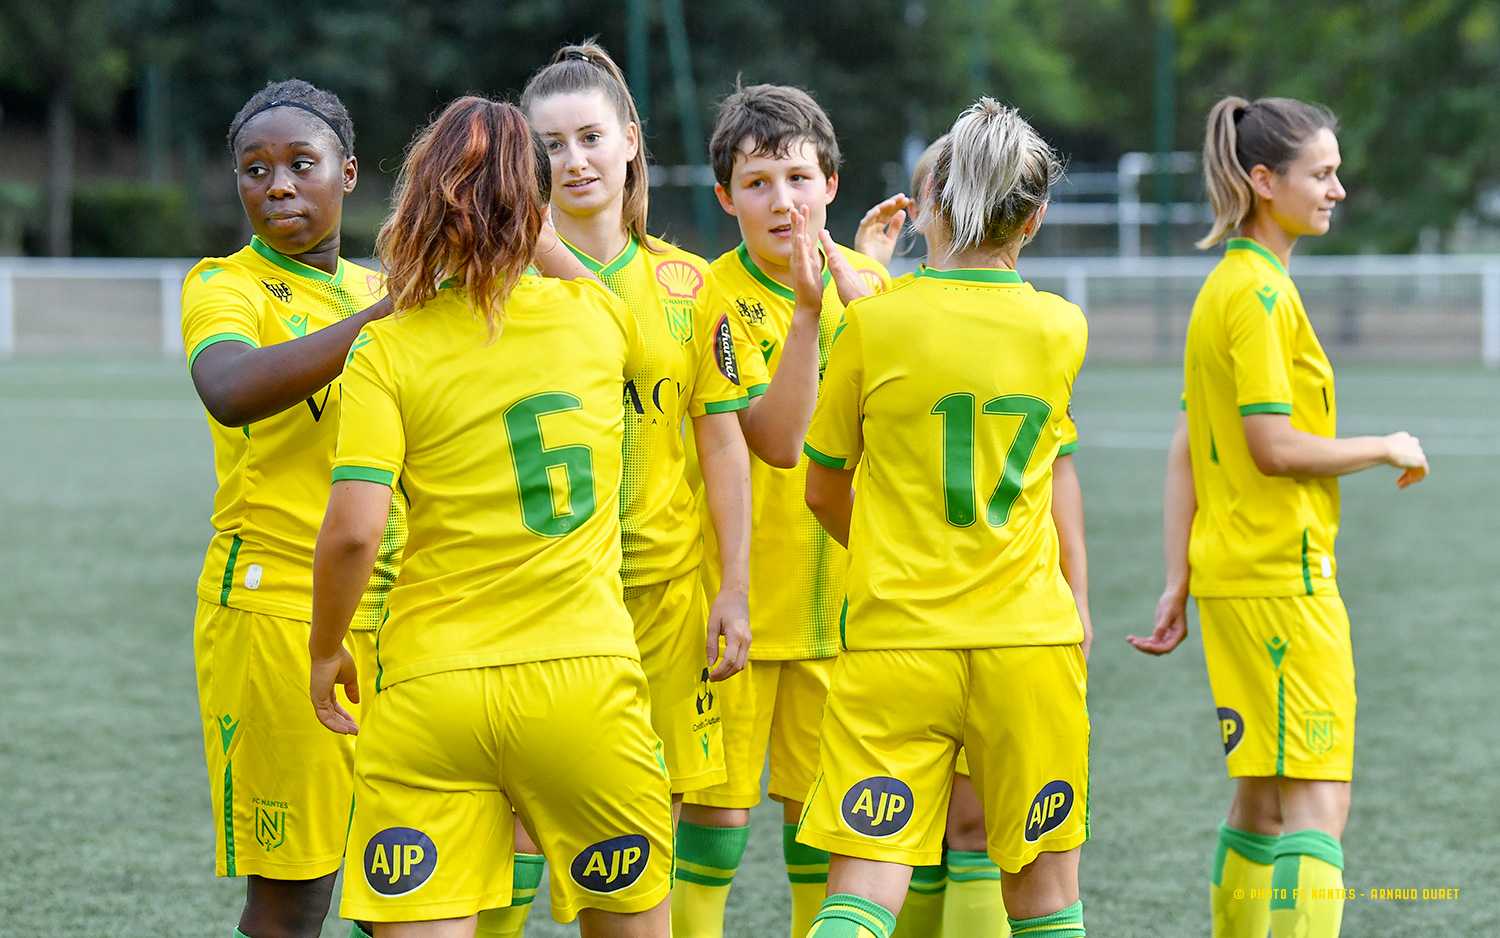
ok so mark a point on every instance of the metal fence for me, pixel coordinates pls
(1377, 308)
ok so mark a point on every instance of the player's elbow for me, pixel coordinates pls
(1273, 459)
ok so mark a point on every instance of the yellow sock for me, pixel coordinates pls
(1240, 887)
(510, 922)
(707, 858)
(922, 912)
(845, 916)
(974, 905)
(807, 871)
(1307, 886)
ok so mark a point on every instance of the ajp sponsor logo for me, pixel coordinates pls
(878, 806)
(399, 860)
(1049, 809)
(1231, 729)
(612, 865)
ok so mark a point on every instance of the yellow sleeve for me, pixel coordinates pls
(755, 377)
(1260, 345)
(218, 306)
(372, 437)
(835, 438)
(1069, 443)
(718, 383)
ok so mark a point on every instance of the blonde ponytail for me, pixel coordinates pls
(992, 176)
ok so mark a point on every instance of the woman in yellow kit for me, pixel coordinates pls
(950, 392)
(267, 330)
(1252, 510)
(962, 894)
(508, 676)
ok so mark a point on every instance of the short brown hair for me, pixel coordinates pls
(768, 120)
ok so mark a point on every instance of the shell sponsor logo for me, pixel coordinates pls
(872, 280)
(680, 279)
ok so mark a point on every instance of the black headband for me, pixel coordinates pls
(297, 104)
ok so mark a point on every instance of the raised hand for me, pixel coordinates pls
(807, 262)
(846, 279)
(880, 229)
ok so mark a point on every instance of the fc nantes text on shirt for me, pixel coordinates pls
(689, 370)
(952, 544)
(1251, 350)
(796, 569)
(273, 474)
(508, 454)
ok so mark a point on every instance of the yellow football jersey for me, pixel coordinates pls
(796, 569)
(507, 454)
(690, 369)
(952, 392)
(1251, 350)
(273, 474)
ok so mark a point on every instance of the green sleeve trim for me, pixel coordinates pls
(215, 340)
(1270, 408)
(725, 407)
(756, 390)
(832, 462)
(364, 474)
(1183, 403)
(1068, 449)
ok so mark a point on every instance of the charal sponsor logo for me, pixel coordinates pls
(399, 860)
(1231, 729)
(729, 366)
(1048, 810)
(878, 807)
(277, 288)
(612, 865)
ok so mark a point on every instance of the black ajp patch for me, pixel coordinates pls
(729, 366)
(1048, 810)
(1231, 729)
(878, 806)
(612, 865)
(399, 860)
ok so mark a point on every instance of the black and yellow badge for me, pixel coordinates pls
(878, 806)
(277, 288)
(399, 860)
(612, 865)
(1231, 729)
(1048, 810)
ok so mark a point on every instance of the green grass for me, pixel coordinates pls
(105, 485)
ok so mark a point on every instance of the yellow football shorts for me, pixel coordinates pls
(444, 759)
(1282, 674)
(770, 707)
(886, 766)
(671, 628)
(280, 780)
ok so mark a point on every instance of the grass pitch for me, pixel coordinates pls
(105, 486)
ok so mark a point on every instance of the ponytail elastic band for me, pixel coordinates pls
(575, 55)
(297, 104)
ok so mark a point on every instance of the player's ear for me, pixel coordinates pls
(725, 202)
(351, 174)
(833, 187)
(632, 141)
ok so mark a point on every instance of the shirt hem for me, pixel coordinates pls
(394, 675)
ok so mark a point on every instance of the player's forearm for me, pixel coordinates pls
(1067, 516)
(776, 422)
(830, 497)
(553, 259)
(1180, 504)
(343, 559)
(725, 464)
(239, 384)
(1279, 449)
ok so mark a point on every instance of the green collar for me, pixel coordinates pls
(632, 247)
(973, 274)
(1248, 244)
(765, 280)
(293, 266)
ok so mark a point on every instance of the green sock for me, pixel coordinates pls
(707, 858)
(974, 905)
(1307, 886)
(1240, 884)
(922, 912)
(807, 871)
(356, 931)
(1065, 923)
(846, 916)
(510, 921)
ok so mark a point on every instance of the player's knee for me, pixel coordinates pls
(285, 908)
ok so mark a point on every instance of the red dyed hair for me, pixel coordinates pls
(467, 208)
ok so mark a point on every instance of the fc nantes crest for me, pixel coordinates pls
(682, 281)
(270, 825)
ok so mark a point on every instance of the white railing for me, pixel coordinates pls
(1450, 291)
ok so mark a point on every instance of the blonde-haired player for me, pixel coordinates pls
(508, 677)
(950, 393)
(1252, 511)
